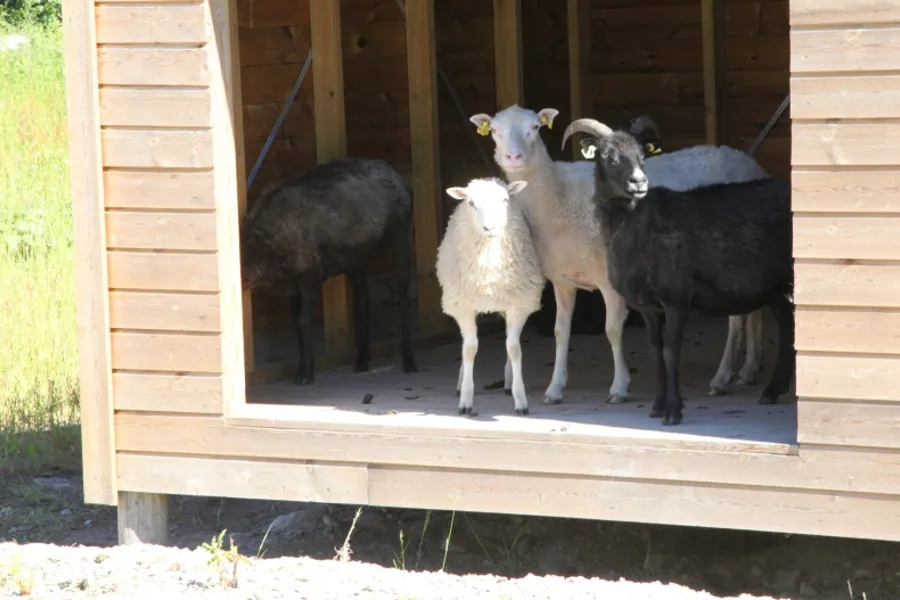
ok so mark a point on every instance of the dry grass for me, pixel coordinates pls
(38, 372)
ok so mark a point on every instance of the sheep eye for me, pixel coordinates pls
(535, 127)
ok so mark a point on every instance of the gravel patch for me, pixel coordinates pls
(148, 571)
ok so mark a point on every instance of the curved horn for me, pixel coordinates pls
(642, 123)
(591, 127)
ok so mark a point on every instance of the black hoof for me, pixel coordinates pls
(508, 391)
(672, 420)
(410, 366)
(361, 366)
(764, 399)
(304, 379)
(522, 411)
(468, 411)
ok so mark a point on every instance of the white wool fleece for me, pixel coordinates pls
(488, 274)
(698, 166)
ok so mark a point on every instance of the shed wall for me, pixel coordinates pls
(168, 159)
(846, 154)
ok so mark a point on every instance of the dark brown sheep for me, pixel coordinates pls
(330, 221)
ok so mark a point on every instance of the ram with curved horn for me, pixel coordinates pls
(725, 249)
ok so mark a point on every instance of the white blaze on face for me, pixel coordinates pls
(637, 183)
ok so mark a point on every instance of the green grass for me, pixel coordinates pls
(38, 353)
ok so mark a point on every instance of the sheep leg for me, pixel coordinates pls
(507, 369)
(565, 306)
(653, 325)
(753, 364)
(676, 319)
(402, 250)
(515, 322)
(508, 377)
(616, 315)
(302, 304)
(361, 319)
(719, 384)
(783, 310)
(469, 330)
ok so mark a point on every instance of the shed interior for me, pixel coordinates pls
(704, 74)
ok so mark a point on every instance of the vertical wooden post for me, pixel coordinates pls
(331, 143)
(426, 165)
(714, 71)
(579, 28)
(230, 193)
(508, 72)
(98, 448)
(232, 72)
(143, 518)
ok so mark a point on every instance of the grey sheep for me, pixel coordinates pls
(329, 221)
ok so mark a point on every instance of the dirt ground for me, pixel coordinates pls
(49, 510)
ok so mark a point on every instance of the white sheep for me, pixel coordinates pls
(487, 263)
(567, 235)
(680, 172)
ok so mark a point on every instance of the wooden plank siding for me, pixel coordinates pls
(846, 123)
(835, 491)
(164, 132)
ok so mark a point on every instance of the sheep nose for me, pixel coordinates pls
(637, 179)
(514, 155)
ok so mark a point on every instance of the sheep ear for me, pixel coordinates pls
(458, 193)
(588, 148)
(515, 187)
(546, 115)
(483, 122)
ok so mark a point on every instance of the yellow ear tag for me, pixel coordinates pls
(589, 152)
(546, 121)
(652, 148)
(484, 128)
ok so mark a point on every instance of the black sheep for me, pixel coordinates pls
(725, 249)
(329, 221)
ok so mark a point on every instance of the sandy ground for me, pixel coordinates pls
(52, 545)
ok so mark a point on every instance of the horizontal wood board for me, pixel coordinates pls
(754, 508)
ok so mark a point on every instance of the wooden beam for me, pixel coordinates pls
(143, 518)
(89, 231)
(232, 71)
(714, 72)
(426, 165)
(579, 27)
(331, 143)
(508, 71)
(236, 327)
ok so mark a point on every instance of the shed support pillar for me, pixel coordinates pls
(714, 71)
(331, 143)
(579, 28)
(143, 518)
(508, 72)
(426, 163)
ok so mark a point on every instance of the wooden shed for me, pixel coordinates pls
(170, 103)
